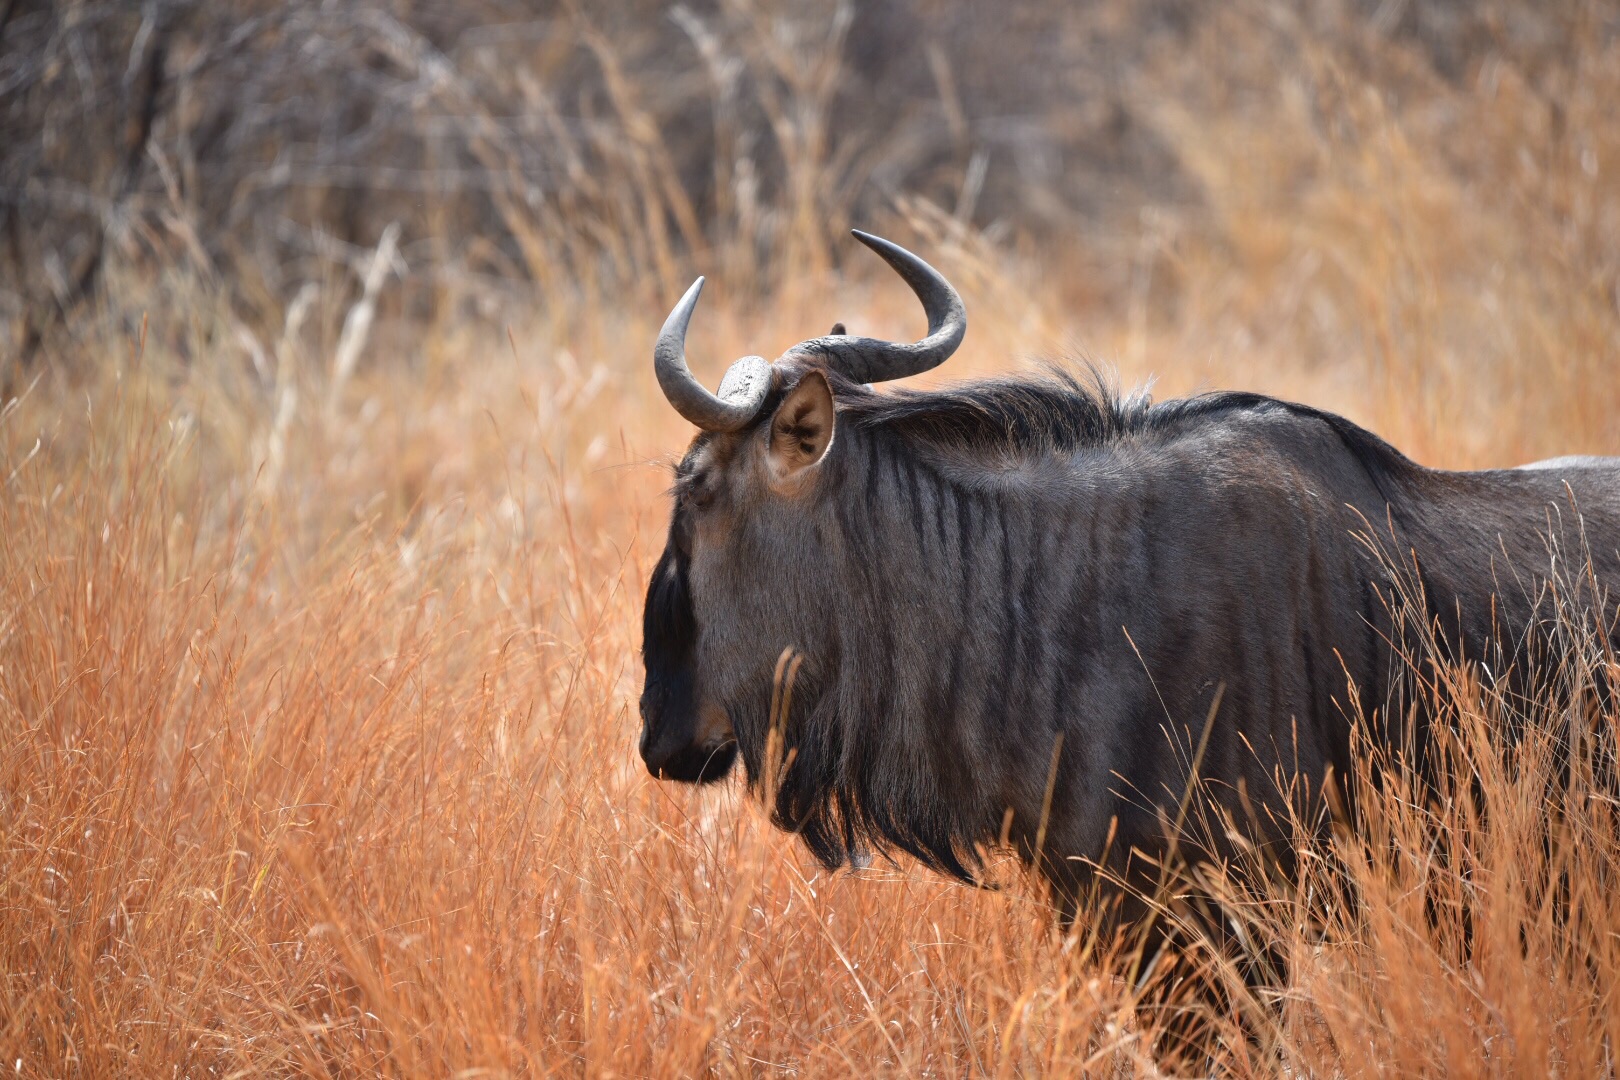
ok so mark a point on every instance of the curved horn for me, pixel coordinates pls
(742, 391)
(870, 360)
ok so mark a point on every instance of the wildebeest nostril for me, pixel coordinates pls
(655, 756)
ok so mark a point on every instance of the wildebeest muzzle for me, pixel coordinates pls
(680, 741)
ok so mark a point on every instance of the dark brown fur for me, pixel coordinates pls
(984, 578)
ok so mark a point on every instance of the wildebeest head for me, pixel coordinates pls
(739, 580)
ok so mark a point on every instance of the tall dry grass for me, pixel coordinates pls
(318, 678)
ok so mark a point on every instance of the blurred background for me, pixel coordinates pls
(1425, 194)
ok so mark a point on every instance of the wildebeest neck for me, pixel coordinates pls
(1024, 558)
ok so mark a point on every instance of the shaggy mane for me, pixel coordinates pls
(1059, 410)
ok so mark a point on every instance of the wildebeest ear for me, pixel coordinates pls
(837, 330)
(802, 428)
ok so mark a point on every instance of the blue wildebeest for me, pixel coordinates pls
(1005, 595)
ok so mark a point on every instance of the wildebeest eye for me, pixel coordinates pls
(699, 490)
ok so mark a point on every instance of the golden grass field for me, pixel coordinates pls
(318, 689)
